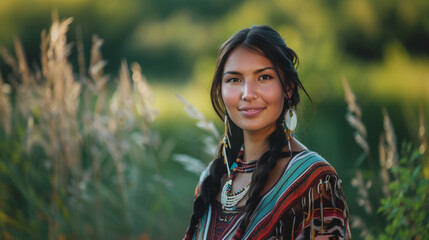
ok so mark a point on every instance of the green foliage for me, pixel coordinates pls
(407, 209)
(396, 187)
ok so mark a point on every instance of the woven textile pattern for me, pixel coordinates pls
(306, 203)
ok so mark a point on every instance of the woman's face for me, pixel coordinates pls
(251, 91)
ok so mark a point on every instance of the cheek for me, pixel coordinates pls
(230, 96)
(274, 94)
(276, 99)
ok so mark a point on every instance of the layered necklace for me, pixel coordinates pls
(229, 199)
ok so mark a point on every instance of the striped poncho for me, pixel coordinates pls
(307, 202)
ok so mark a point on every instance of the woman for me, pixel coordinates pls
(264, 184)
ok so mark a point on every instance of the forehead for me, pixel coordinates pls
(243, 59)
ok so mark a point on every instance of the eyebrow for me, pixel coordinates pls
(255, 72)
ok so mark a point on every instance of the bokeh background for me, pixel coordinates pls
(134, 179)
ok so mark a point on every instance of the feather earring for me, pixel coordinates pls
(289, 124)
(226, 144)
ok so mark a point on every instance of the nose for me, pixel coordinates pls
(249, 91)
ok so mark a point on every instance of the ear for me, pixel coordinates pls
(289, 90)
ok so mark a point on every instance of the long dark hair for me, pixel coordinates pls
(270, 44)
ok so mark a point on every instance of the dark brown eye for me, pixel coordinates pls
(232, 80)
(265, 77)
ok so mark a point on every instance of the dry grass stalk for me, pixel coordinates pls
(423, 142)
(422, 132)
(390, 137)
(97, 63)
(143, 96)
(44, 51)
(80, 53)
(357, 222)
(354, 117)
(60, 95)
(94, 123)
(384, 174)
(362, 142)
(99, 80)
(191, 164)
(363, 199)
(210, 142)
(351, 100)
(356, 123)
(202, 122)
(388, 155)
(9, 60)
(5, 108)
(121, 106)
(26, 75)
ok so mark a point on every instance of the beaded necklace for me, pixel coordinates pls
(229, 199)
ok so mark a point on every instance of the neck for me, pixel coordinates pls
(255, 144)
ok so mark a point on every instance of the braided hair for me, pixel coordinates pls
(269, 43)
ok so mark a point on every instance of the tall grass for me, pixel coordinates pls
(78, 159)
(393, 192)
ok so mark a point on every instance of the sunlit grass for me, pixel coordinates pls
(78, 156)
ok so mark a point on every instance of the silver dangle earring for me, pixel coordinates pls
(289, 124)
(226, 143)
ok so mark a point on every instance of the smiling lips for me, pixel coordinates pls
(250, 111)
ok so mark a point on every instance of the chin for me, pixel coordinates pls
(257, 128)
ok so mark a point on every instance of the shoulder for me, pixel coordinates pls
(304, 171)
(309, 162)
(307, 170)
(312, 177)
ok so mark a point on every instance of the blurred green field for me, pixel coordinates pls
(90, 145)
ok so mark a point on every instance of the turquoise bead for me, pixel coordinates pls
(234, 165)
